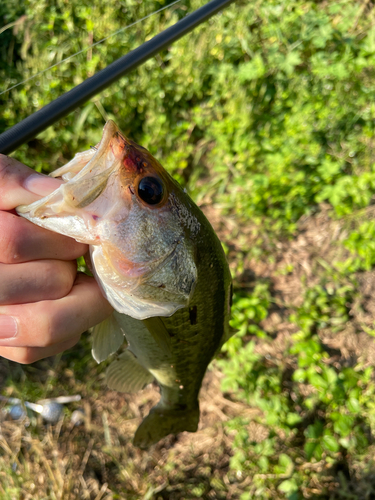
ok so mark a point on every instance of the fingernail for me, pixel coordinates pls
(41, 184)
(8, 327)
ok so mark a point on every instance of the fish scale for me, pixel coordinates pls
(158, 262)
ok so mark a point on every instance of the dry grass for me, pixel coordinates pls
(96, 460)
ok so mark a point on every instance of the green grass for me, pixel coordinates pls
(266, 114)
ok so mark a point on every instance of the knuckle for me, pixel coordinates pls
(56, 326)
(48, 330)
(8, 171)
(46, 324)
(67, 274)
(60, 275)
(25, 355)
(11, 239)
(38, 324)
(4, 166)
(71, 343)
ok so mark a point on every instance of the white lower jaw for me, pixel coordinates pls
(122, 299)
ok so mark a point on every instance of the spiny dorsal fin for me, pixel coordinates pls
(126, 374)
(107, 338)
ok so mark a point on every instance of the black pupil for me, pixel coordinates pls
(150, 190)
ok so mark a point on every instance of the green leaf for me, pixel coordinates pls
(343, 425)
(314, 430)
(263, 463)
(353, 405)
(318, 452)
(309, 449)
(286, 464)
(288, 486)
(292, 419)
(330, 443)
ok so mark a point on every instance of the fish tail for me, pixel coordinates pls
(161, 421)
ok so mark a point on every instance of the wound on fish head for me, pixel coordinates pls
(140, 173)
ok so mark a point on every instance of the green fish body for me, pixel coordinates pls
(158, 262)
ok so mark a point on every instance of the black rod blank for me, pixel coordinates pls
(31, 126)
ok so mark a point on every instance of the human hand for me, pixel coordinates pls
(45, 305)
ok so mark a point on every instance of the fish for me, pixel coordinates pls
(158, 262)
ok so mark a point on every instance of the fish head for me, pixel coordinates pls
(139, 223)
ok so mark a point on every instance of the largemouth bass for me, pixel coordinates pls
(160, 265)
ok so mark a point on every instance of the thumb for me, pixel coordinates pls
(20, 185)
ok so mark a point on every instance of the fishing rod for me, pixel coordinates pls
(31, 126)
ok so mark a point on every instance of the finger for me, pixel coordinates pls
(27, 355)
(50, 322)
(22, 241)
(36, 281)
(22, 185)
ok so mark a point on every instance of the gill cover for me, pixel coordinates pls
(118, 199)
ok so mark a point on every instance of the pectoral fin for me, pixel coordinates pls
(126, 374)
(159, 332)
(107, 338)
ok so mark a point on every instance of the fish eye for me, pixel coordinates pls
(150, 190)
